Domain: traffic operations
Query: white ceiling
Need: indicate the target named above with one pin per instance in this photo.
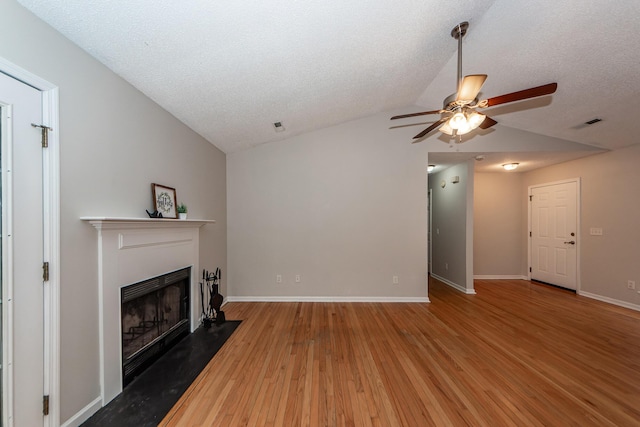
(229, 69)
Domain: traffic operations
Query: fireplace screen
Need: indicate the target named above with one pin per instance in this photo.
(155, 316)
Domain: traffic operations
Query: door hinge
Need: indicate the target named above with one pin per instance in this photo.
(45, 405)
(530, 235)
(531, 197)
(45, 134)
(45, 271)
(529, 269)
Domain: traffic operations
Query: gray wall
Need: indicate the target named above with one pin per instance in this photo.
(610, 191)
(343, 207)
(452, 225)
(114, 143)
(610, 199)
(499, 233)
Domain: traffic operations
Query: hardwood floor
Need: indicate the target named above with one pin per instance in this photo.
(515, 354)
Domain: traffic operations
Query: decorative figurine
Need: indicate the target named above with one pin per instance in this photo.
(154, 214)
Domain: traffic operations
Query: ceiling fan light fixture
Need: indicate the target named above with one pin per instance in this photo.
(510, 166)
(446, 129)
(459, 115)
(458, 121)
(462, 122)
(475, 119)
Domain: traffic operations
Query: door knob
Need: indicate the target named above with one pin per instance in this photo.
(571, 242)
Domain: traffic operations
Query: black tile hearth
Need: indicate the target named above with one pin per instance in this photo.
(153, 393)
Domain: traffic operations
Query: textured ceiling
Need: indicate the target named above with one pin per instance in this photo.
(230, 69)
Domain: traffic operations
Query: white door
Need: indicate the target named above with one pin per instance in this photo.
(22, 254)
(554, 230)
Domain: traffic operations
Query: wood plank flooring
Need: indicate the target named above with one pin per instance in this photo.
(515, 354)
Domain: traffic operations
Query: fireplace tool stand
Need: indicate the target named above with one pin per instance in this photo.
(211, 298)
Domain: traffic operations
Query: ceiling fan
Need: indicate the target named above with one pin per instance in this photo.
(459, 112)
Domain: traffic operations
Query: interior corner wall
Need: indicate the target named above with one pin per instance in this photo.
(610, 189)
(499, 225)
(114, 142)
(342, 207)
(451, 213)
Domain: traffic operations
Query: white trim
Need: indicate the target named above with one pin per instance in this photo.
(500, 277)
(328, 299)
(84, 414)
(118, 223)
(7, 266)
(51, 163)
(613, 301)
(455, 286)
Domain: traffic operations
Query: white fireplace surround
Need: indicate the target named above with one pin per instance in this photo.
(131, 250)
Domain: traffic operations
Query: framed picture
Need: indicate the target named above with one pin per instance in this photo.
(164, 200)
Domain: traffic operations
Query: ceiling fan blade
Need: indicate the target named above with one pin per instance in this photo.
(470, 87)
(410, 124)
(404, 116)
(533, 92)
(487, 123)
(430, 128)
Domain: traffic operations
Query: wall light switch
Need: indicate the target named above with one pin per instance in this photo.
(594, 231)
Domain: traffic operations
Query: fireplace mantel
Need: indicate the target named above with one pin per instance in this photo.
(103, 222)
(131, 250)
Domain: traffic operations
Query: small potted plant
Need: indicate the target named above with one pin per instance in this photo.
(182, 211)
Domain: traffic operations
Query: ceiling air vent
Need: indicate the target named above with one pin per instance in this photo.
(587, 123)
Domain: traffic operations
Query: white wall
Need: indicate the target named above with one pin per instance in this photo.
(114, 143)
(343, 207)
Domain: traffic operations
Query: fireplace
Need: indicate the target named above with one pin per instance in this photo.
(154, 316)
(134, 250)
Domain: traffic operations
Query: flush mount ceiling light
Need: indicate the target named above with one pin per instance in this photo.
(510, 166)
(430, 168)
(459, 115)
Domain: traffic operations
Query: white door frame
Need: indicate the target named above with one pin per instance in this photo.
(578, 216)
(51, 238)
(429, 236)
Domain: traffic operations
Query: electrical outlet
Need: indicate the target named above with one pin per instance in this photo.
(278, 278)
(594, 231)
(631, 284)
(297, 278)
(446, 266)
(395, 280)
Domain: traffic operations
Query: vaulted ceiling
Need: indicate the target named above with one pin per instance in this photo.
(230, 69)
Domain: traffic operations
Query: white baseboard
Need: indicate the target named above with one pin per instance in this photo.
(454, 285)
(328, 299)
(84, 414)
(501, 277)
(613, 301)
